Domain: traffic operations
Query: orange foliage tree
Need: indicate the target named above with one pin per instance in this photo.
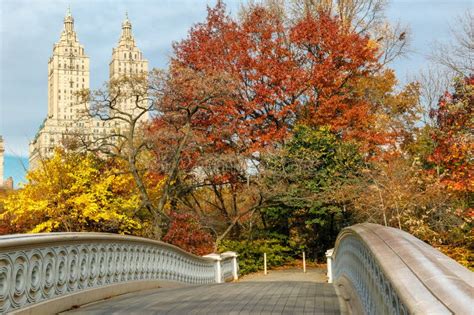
(281, 74)
(454, 141)
(236, 87)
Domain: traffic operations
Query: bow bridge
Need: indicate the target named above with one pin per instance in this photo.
(371, 270)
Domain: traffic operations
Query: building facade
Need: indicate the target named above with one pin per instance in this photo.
(127, 60)
(4, 183)
(68, 74)
(2, 161)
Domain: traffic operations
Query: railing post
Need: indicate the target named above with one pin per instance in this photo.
(265, 263)
(235, 266)
(304, 262)
(329, 263)
(218, 270)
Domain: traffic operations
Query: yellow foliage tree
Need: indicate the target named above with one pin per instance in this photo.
(76, 192)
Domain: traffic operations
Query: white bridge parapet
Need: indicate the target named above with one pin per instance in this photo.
(382, 270)
(37, 268)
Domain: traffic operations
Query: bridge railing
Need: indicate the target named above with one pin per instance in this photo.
(382, 270)
(39, 268)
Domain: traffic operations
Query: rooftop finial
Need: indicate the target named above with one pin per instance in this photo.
(68, 21)
(126, 24)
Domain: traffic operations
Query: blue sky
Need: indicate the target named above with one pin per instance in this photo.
(29, 28)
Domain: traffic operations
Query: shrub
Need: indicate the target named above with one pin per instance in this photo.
(251, 253)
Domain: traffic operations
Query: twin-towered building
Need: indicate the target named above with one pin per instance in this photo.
(68, 73)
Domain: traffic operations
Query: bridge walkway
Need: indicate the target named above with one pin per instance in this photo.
(279, 292)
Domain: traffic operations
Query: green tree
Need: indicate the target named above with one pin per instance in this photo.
(299, 178)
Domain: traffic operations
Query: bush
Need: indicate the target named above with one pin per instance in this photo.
(251, 253)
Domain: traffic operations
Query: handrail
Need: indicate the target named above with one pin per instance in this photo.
(383, 270)
(35, 268)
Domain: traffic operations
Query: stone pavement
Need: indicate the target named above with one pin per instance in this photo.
(280, 292)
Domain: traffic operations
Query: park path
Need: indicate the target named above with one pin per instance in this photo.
(280, 292)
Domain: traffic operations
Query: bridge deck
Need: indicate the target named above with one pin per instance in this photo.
(281, 292)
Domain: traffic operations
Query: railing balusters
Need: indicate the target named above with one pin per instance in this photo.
(381, 266)
(37, 268)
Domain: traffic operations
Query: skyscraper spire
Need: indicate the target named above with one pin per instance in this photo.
(69, 21)
(126, 28)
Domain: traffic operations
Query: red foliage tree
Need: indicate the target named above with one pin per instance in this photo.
(236, 87)
(186, 232)
(454, 150)
(281, 74)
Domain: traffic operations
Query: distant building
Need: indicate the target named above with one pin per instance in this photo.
(5, 184)
(2, 161)
(8, 183)
(68, 73)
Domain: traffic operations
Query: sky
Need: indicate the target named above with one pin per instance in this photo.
(29, 28)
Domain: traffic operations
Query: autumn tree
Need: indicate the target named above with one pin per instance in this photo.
(361, 15)
(401, 194)
(75, 192)
(364, 17)
(302, 72)
(193, 165)
(433, 82)
(456, 55)
(186, 100)
(237, 87)
(186, 232)
(123, 107)
(454, 140)
(395, 111)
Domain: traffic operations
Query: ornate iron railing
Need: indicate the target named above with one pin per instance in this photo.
(40, 267)
(382, 270)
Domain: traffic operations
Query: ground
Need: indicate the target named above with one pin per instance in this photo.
(287, 291)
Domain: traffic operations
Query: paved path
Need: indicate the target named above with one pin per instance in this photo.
(280, 292)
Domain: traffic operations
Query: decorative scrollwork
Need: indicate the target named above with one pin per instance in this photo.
(389, 271)
(355, 262)
(49, 270)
